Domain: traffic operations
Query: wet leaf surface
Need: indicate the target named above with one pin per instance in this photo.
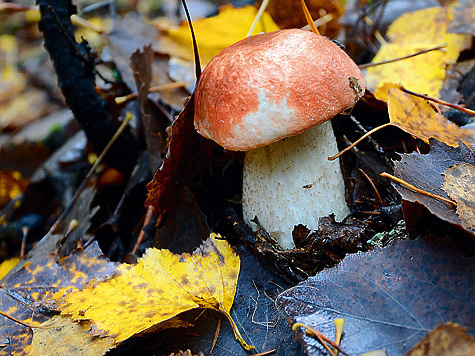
(390, 298)
(425, 171)
(26, 294)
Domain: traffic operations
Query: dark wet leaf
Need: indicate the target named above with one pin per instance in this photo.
(425, 171)
(390, 298)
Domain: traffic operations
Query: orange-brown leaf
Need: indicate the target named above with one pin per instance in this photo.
(418, 118)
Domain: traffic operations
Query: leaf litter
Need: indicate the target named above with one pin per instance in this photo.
(388, 297)
(179, 173)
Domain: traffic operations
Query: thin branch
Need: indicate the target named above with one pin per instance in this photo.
(441, 102)
(363, 66)
(420, 191)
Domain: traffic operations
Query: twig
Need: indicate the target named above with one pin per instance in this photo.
(420, 191)
(83, 185)
(363, 66)
(441, 102)
(262, 8)
(308, 17)
(154, 89)
(148, 218)
(216, 334)
(358, 141)
(372, 185)
(320, 337)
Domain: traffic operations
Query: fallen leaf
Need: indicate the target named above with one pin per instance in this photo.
(26, 294)
(7, 265)
(445, 340)
(410, 33)
(418, 118)
(464, 18)
(425, 171)
(161, 286)
(390, 298)
(213, 34)
(61, 336)
(12, 183)
(459, 184)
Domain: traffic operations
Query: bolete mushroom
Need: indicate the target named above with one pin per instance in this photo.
(273, 95)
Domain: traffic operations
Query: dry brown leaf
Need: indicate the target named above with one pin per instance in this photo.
(459, 184)
(418, 118)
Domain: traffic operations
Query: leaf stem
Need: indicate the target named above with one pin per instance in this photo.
(237, 334)
(22, 322)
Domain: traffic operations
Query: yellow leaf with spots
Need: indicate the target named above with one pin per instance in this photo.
(160, 286)
(419, 118)
(410, 33)
(7, 265)
(213, 34)
(26, 294)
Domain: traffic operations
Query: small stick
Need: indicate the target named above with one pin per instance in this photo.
(320, 337)
(420, 191)
(168, 86)
(24, 230)
(216, 334)
(358, 141)
(22, 322)
(83, 185)
(265, 353)
(261, 10)
(148, 218)
(372, 185)
(308, 17)
(363, 66)
(441, 102)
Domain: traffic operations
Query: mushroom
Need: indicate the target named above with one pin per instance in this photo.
(272, 95)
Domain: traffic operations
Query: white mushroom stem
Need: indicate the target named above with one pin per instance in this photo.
(292, 182)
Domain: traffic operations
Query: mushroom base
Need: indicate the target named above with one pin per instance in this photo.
(292, 182)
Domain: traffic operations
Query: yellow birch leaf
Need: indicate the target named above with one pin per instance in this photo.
(418, 118)
(160, 286)
(61, 336)
(7, 265)
(410, 33)
(213, 34)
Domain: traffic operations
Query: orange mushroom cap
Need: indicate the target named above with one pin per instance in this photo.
(274, 85)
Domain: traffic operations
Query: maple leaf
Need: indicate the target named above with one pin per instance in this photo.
(424, 73)
(160, 286)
